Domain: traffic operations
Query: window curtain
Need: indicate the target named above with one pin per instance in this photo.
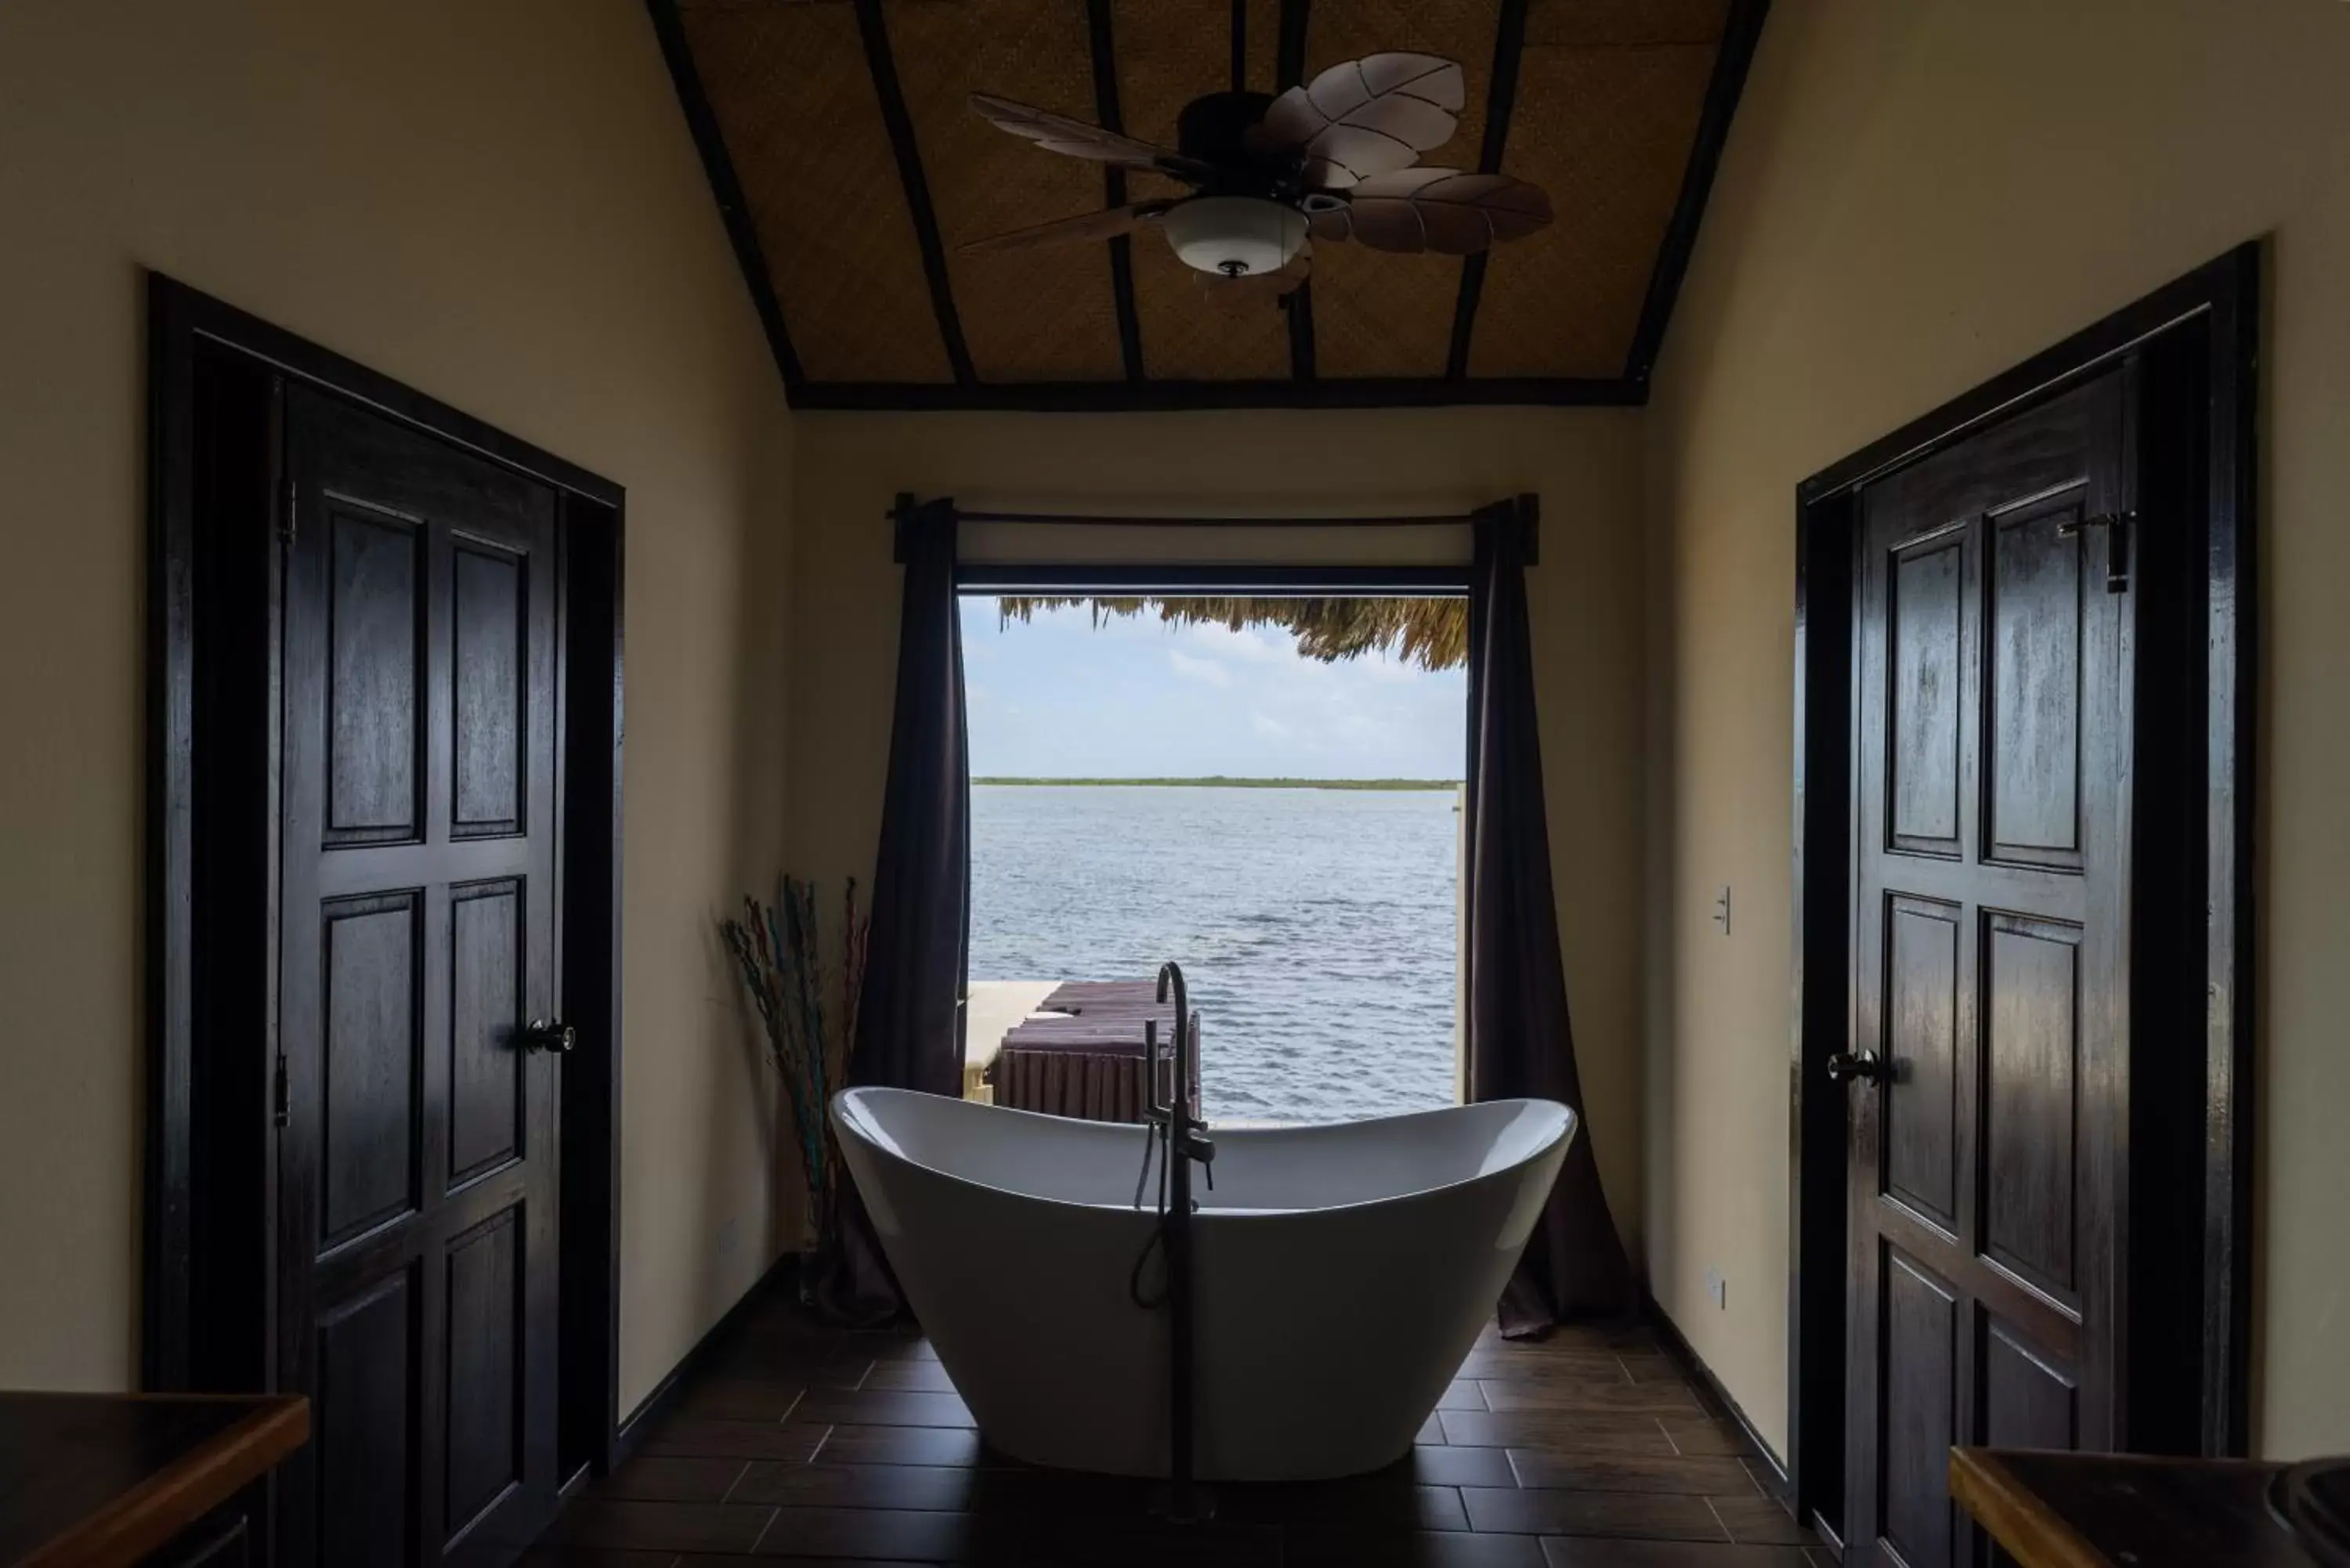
(910, 1013)
(1519, 1043)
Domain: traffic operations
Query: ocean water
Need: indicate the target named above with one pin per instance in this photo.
(1316, 928)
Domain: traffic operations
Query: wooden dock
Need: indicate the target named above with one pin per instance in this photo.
(1082, 1053)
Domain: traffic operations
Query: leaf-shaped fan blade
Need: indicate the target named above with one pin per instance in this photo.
(1059, 133)
(1241, 295)
(1366, 117)
(1442, 210)
(1105, 225)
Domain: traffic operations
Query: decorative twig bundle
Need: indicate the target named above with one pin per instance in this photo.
(779, 949)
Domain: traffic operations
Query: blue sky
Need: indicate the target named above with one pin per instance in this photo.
(1058, 697)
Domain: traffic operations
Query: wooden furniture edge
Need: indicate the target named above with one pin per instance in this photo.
(144, 1519)
(2015, 1515)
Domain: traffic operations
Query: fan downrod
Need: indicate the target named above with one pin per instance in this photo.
(1214, 128)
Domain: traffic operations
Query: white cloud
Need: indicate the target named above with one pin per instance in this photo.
(1265, 724)
(1206, 670)
(1249, 645)
(1388, 671)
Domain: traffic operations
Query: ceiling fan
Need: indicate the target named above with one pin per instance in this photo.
(1336, 158)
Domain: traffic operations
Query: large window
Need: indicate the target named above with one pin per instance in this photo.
(1163, 783)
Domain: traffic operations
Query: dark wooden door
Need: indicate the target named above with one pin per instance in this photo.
(1991, 956)
(417, 1172)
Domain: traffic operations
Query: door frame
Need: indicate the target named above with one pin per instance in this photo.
(216, 384)
(2197, 340)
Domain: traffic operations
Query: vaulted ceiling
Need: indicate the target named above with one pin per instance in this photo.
(843, 154)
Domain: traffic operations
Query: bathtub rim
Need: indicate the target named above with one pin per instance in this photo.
(844, 1123)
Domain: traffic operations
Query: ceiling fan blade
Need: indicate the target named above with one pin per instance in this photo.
(1059, 133)
(1241, 295)
(1331, 222)
(1105, 225)
(1366, 117)
(1442, 210)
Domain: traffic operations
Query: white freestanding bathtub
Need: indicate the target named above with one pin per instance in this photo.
(1342, 1272)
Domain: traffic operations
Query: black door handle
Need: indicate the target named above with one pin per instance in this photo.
(1846, 1066)
(549, 1034)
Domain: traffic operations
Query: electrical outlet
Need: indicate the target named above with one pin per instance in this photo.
(1719, 1289)
(730, 1237)
(1722, 909)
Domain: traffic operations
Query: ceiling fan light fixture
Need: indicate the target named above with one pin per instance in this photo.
(1235, 236)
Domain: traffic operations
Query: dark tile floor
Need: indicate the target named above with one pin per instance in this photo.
(1588, 1450)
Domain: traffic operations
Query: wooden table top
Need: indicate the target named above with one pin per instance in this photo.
(88, 1480)
(2124, 1510)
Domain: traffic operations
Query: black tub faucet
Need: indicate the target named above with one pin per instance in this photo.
(1179, 1129)
(1183, 1127)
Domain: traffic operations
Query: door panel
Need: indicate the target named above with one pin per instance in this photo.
(1926, 626)
(417, 1155)
(1989, 965)
(376, 677)
(2034, 583)
(371, 978)
(364, 1447)
(2028, 1402)
(489, 615)
(1921, 986)
(488, 959)
(1922, 1319)
(486, 1327)
(2030, 1109)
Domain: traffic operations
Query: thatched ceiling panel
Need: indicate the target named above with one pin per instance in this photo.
(1610, 144)
(789, 86)
(1382, 315)
(1032, 314)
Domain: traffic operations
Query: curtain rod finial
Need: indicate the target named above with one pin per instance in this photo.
(906, 510)
(1521, 513)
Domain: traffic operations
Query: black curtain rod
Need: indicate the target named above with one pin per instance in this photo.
(1432, 519)
(1527, 508)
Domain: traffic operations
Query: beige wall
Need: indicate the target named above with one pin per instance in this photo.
(1584, 596)
(1915, 196)
(497, 205)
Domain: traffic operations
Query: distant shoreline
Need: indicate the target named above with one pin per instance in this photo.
(1220, 781)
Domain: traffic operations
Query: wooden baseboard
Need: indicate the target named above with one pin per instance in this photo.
(1830, 1536)
(1677, 1345)
(783, 1274)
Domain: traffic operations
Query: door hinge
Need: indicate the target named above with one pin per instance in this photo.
(280, 1100)
(2116, 525)
(285, 524)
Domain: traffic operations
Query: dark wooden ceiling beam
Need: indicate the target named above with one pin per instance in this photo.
(1299, 303)
(1501, 97)
(1739, 37)
(1120, 397)
(875, 30)
(1288, 70)
(726, 188)
(1104, 42)
(1289, 50)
